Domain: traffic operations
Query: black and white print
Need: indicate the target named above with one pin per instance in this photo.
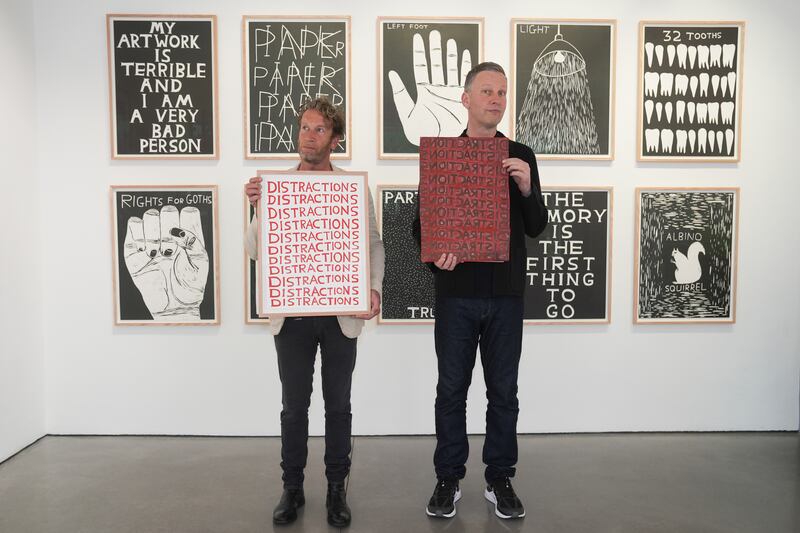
(423, 64)
(408, 291)
(687, 255)
(288, 61)
(568, 269)
(690, 91)
(564, 87)
(251, 277)
(165, 260)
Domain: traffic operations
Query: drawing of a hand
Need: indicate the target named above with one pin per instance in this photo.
(168, 262)
(438, 111)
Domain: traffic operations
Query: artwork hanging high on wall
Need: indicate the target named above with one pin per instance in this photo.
(251, 277)
(690, 91)
(162, 74)
(686, 255)
(166, 265)
(568, 270)
(313, 244)
(422, 64)
(562, 97)
(408, 292)
(287, 61)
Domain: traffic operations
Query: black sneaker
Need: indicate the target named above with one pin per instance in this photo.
(502, 495)
(443, 502)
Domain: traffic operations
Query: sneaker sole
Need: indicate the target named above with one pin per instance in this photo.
(448, 515)
(489, 495)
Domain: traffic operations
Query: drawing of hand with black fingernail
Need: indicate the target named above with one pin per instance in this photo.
(167, 260)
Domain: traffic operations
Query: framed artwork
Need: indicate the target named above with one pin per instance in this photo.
(408, 291)
(313, 244)
(422, 64)
(690, 91)
(251, 277)
(286, 61)
(166, 264)
(568, 270)
(162, 72)
(562, 95)
(686, 255)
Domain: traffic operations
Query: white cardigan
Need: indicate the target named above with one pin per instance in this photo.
(350, 325)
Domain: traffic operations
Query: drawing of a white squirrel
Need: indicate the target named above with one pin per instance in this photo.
(688, 266)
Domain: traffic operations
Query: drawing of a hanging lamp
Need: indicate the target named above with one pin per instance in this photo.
(557, 116)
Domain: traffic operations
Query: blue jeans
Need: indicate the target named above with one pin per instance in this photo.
(297, 345)
(463, 325)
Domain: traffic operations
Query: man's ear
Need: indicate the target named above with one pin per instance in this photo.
(335, 142)
(465, 99)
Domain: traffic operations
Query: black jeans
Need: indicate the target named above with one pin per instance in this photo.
(462, 325)
(297, 349)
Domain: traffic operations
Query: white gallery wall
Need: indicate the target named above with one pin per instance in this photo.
(103, 379)
(21, 326)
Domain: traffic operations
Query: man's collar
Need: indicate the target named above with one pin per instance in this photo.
(497, 134)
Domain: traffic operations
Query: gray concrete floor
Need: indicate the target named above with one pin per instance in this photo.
(569, 483)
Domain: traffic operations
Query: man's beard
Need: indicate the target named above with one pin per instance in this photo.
(312, 157)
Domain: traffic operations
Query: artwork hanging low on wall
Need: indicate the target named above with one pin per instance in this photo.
(408, 291)
(686, 255)
(162, 72)
(690, 91)
(568, 267)
(251, 276)
(562, 90)
(422, 64)
(166, 264)
(286, 61)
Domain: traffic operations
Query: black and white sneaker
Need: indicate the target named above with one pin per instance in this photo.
(502, 495)
(443, 502)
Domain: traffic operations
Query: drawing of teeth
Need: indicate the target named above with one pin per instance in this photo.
(710, 141)
(693, 85)
(659, 107)
(714, 84)
(692, 139)
(691, 108)
(720, 136)
(668, 111)
(692, 56)
(704, 84)
(731, 82)
(723, 85)
(648, 48)
(702, 56)
(680, 109)
(701, 140)
(651, 139)
(713, 112)
(681, 84)
(666, 140)
(716, 55)
(727, 112)
(666, 83)
(648, 109)
(670, 54)
(681, 136)
(651, 83)
(702, 113)
(729, 140)
(660, 54)
(682, 56)
(728, 51)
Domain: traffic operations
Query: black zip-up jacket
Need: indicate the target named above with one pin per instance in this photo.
(528, 217)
